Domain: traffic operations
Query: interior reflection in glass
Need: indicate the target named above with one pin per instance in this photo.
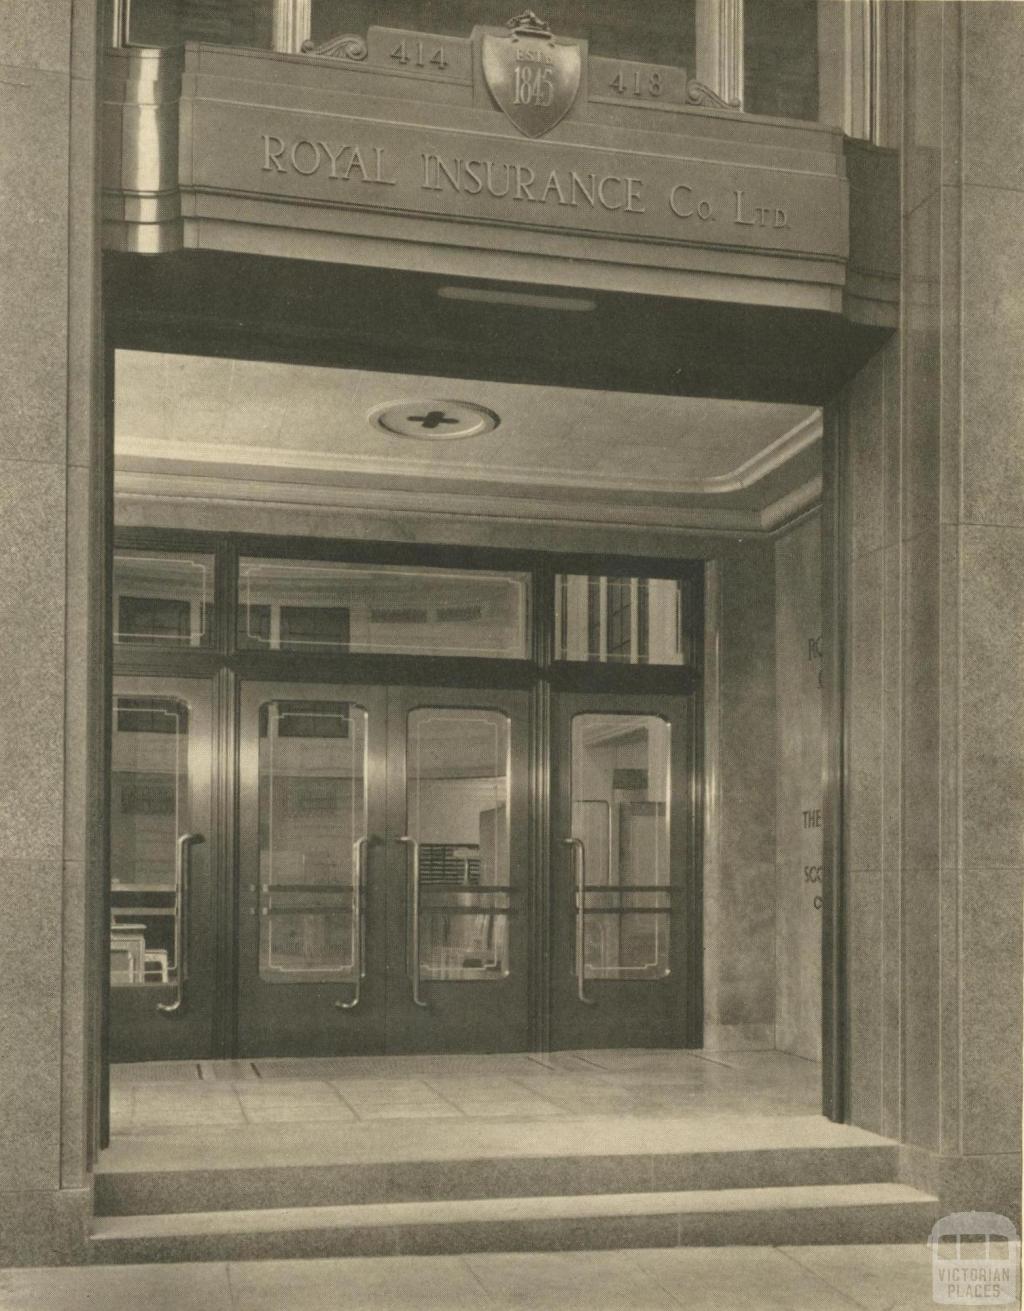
(620, 812)
(148, 811)
(309, 605)
(162, 599)
(458, 812)
(312, 772)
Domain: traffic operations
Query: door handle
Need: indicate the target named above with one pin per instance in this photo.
(182, 898)
(358, 934)
(579, 862)
(413, 920)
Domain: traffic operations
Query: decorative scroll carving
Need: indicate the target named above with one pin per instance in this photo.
(347, 46)
(699, 94)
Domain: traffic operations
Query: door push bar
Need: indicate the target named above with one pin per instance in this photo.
(182, 897)
(413, 921)
(579, 861)
(358, 934)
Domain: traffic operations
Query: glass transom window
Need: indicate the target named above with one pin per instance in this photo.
(606, 619)
(162, 599)
(303, 605)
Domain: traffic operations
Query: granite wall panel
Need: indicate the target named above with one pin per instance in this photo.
(32, 548)
(48, 523)
(30, 1023)
(991, 1003)
(991, 758)
(993, 362)
(993, 96)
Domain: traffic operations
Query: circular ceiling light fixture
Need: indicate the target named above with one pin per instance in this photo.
(433, 421)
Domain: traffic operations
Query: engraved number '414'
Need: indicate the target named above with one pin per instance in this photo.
(534, 86)
(412, 52)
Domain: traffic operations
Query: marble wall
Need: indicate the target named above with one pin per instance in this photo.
(739, 867)
(798, 821)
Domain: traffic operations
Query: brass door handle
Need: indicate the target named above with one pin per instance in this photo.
(579, 862)
(182, 897)
(413, 921)
(358, 934)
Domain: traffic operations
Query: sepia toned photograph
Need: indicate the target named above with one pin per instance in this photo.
(512, 700)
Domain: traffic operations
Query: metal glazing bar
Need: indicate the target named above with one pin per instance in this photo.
(491, 912)
(579, 860)
(413, 920)
(338, 889)
(182, 879)
(358, 937)
(624, 889)
(626, 910)
(489, 890)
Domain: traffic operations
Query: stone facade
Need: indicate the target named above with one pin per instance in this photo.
(931, 498)
(932, 474)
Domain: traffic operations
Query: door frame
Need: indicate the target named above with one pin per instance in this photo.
(540, 674)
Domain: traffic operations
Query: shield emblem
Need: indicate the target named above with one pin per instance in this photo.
(533, 77)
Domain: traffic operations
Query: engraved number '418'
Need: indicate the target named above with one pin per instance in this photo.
(534, 86)
(647, 85)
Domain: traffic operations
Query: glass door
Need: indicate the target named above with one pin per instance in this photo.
(383, 855)
(623, 915)
(162, 892)
(458, 855)
(312, 905)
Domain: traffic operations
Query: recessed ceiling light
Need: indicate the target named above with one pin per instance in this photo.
(528, 300)
(432, 420)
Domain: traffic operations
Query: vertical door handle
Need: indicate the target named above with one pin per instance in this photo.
(579, 861)
(413, 920)
(358, 935)
(182, 897)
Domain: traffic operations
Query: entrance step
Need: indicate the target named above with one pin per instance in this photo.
(394, 1162)
(801, 1215)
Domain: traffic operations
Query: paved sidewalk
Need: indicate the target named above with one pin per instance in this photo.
(884, 1278)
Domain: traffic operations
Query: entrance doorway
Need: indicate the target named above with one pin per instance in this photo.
(383, 860)
(307, 864)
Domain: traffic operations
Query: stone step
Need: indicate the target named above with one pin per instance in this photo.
(151, 1193)
(845, 1213)
(378, 1164)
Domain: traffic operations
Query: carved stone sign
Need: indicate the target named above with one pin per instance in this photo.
(531, 76)
(406, 168)
(515, 140)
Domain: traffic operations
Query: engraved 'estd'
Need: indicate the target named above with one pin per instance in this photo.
(532, 76)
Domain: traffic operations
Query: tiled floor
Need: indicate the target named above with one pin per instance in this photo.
(880, 1278)
(166, 1099)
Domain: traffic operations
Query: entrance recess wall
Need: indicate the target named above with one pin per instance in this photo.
(799, 865)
